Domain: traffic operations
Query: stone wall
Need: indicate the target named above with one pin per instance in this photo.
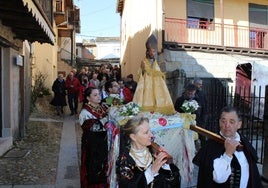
(213, 65)
(181, 66)
(7, 33)
(175, 81)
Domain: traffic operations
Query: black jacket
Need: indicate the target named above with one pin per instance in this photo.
(212, 150)
(59, 93)
(131, 176)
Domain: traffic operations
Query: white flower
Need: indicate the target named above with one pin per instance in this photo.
(189, 106)
(117, 96)
(129, 109)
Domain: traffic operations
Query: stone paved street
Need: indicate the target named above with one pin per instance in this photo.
(34, 159)
(47, 157)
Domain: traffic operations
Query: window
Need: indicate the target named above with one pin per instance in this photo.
(258, 15)
(200, 23)
(192, 22)
(200, 14)
(257, 38)
(258, 21)
(59, 6)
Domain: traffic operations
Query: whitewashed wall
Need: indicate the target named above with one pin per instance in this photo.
(217, 65)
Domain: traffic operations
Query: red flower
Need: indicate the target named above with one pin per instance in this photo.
(162, 121)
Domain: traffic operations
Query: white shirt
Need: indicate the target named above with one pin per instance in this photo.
(84, 115)
(149, 174)
(222, 167)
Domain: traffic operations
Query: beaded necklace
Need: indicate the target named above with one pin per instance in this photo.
(142, 157)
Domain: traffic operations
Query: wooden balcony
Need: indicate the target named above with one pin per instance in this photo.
(214, 37)
(67, 21)
(28, 20)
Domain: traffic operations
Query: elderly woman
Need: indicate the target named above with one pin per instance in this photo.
(59, 90)
(137, 166)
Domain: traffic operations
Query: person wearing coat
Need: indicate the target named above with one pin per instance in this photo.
(224, 165)
(73, 88)
(59, 100)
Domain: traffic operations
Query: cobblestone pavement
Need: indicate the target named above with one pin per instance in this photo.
(34, 159)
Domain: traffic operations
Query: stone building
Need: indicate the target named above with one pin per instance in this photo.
(36, 36)
(22, 23)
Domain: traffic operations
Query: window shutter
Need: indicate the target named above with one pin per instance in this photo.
(258, 15)
(200, 8)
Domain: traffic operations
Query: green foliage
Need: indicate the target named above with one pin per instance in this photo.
(39, 88)
(46, 92)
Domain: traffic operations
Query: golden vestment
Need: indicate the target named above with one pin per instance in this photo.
(152, 93)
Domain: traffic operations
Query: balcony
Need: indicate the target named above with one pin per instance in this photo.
(67, 21)
(59, 14)
(28, 19)
(209, 36)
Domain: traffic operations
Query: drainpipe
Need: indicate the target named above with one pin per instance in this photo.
(72, 45)
(222, 23)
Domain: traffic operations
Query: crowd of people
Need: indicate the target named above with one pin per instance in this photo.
(106, 78)
(138, 165)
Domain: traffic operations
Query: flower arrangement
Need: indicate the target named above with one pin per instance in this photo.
(129, 109)
(189, 106)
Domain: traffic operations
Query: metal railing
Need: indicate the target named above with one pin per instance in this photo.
(251, 108)
(250, 101)
(217, 34)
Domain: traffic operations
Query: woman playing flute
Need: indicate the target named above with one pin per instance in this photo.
(137, 166)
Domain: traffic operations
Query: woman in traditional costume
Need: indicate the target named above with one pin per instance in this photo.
(94, 151)
(137, 165)
(152, 93)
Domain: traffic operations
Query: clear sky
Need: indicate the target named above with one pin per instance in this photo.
(98, 18)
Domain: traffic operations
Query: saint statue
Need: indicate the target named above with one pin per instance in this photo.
(152, 93)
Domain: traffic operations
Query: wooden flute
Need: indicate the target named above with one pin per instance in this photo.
(156, 149)
(212, 135)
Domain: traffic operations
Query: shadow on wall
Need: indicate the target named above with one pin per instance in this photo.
(135, 51)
